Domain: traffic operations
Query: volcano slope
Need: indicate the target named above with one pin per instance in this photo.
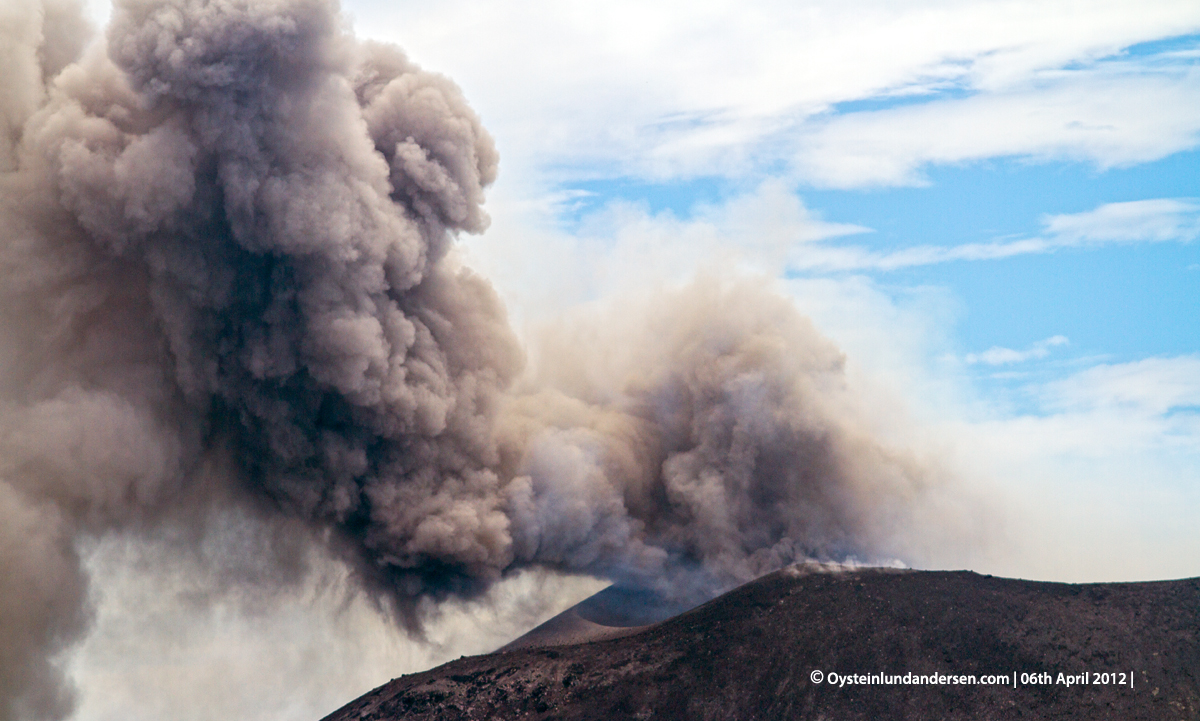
(753, 653)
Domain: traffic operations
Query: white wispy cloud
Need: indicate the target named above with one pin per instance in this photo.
(1150, 387)
(1157, 220)
(1103, 116)
(997, 355)
(1140, 221)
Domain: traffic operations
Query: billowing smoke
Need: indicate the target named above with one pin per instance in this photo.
(227, 277)
(709, 442)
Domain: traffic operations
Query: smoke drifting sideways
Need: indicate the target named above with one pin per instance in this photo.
(227, 278)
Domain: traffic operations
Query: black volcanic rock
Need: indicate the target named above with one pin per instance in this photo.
(751, 653)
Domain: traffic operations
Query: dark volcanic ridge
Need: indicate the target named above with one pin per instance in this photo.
(752, 654)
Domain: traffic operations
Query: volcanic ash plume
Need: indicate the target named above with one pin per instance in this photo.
(226, 245)
(710, 443)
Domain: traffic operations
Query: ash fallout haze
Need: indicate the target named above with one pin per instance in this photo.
(286, 412)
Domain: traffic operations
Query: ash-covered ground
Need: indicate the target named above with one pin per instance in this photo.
(753, 653)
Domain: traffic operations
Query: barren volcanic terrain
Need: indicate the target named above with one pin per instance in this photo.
(753, 653)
